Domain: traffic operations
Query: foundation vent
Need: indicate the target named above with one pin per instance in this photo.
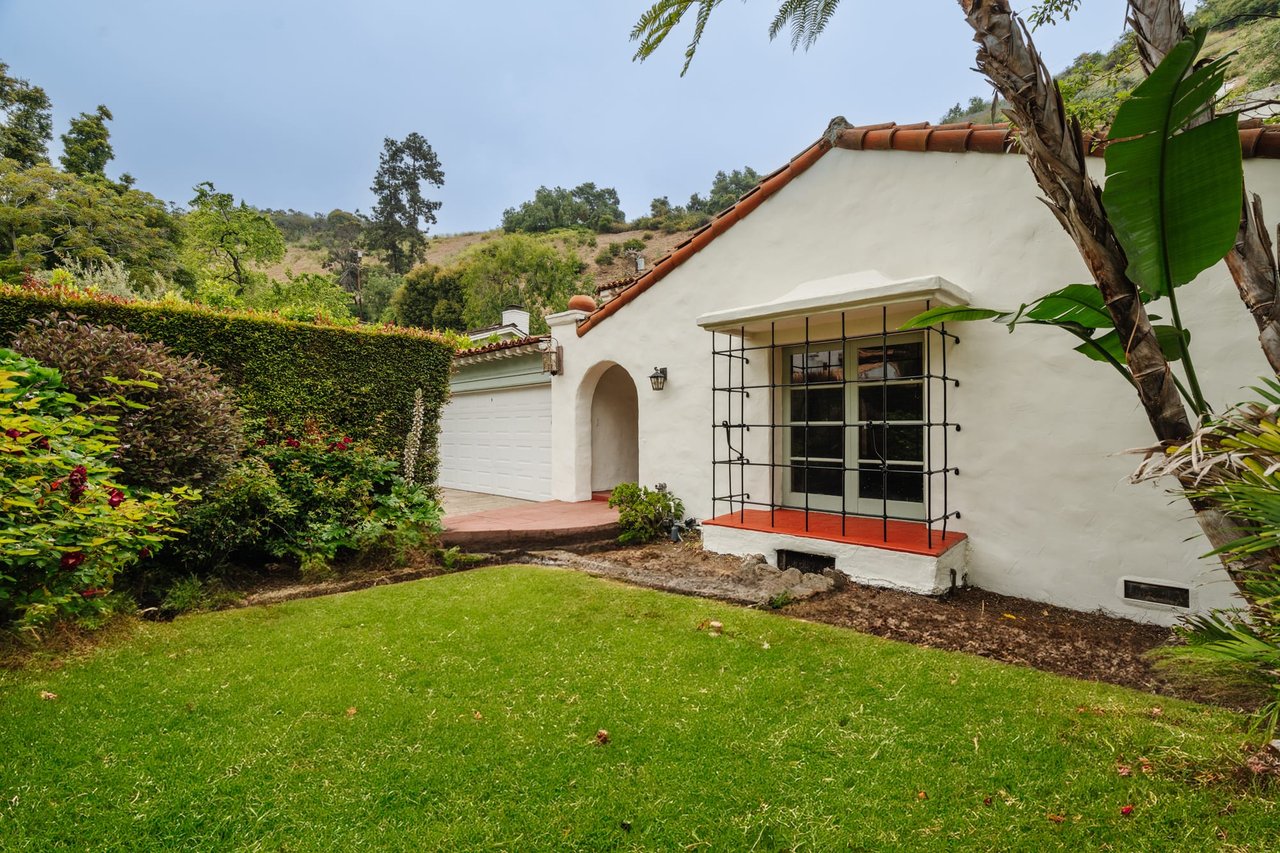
(1157, 593)
(814, 564)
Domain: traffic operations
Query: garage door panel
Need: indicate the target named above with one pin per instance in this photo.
(498, 442)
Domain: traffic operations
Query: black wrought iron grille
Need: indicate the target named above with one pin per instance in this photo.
(814, 443)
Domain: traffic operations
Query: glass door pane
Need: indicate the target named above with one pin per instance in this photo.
(891, 434)
(814, 442)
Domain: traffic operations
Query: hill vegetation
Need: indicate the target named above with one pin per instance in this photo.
(1096, 83)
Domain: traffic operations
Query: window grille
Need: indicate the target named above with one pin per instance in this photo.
(847, 384)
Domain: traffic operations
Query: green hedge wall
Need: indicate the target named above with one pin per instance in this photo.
(359, 381)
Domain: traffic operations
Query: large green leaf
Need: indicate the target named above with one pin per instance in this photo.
(1173, 193)
(1111, 343)
(1080, 304)
(950, 314)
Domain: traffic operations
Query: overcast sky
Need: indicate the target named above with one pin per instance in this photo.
(286, 102)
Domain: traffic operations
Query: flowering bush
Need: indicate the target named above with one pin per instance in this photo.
(344, 496)
(178, 425)
(67, 524)
(307, 497)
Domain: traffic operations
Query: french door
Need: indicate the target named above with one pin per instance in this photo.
(853, 426)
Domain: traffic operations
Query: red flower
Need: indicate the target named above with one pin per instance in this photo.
(70, 561)
(92, 592)
(116, 497)
(79, 476)
(262, 442)
(55, 485)
(145, 553)
(42, 443)
(1126, 810)
(13, 433)
(292, 442)
(76, 493)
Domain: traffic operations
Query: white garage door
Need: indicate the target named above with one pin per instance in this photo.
(498, 442)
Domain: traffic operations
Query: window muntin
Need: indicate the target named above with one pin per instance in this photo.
(872, 462)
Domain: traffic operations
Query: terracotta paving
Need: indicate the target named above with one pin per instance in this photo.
(908, 536)
(543, 523)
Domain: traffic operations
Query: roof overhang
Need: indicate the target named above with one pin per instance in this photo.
(502, 349)
(851, 294)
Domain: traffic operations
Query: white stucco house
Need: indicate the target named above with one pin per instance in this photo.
(795, 421)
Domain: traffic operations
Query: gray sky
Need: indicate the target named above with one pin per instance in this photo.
(285, 102)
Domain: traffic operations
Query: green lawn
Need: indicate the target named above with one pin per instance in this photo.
(477, 697)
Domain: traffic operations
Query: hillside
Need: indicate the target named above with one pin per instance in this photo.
(447, 249)
(1095, 82)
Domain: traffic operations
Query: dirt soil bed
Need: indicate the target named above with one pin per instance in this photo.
(1090, 646)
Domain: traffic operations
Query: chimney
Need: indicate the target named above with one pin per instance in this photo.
(515, 315)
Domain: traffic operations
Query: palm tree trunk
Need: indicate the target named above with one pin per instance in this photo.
(1055, 151)
(1158, 26)
(1056, 154)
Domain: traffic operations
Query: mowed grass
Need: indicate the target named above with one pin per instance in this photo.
(477, 698)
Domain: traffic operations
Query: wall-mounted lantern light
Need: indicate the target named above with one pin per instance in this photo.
(658, 379)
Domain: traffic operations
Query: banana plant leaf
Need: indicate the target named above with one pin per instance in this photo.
(1173, 191)
(1110, 342)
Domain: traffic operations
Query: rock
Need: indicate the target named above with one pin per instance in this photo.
(715, 629)
(839, 578)
(791, 577)
(816, 583)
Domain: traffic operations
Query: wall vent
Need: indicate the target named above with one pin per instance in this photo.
(814, 564)
(1157, 593)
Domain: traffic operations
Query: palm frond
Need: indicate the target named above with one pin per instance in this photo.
(806, 20)
(657, 22)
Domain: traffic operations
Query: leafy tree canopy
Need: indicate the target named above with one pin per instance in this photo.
(225, 240)
(430, 298)
(49, 218)
(86, 146)
(518, 269)
(584, 206)
(26, 121)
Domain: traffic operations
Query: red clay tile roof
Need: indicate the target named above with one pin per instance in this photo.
(497, 346)
(1256, 140)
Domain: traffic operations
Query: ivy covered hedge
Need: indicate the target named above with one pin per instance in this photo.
(359, 381)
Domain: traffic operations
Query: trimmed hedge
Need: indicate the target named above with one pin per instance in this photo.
(358, 381)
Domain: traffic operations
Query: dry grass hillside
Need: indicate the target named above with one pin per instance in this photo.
(444, 250)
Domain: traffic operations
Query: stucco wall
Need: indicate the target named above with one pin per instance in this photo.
(1043, 486)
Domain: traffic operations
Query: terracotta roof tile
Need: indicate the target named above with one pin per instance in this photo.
(1256, 140)
(497, 346)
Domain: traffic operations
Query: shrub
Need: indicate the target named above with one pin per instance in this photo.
(644, 514)
(179, 425)
(635, 244)
(357, 381)
(67, 524)
(343, 496)
(236, 518)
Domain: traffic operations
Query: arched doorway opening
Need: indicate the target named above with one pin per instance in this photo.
(615, 430)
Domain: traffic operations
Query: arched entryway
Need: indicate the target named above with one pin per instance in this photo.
(615, 431)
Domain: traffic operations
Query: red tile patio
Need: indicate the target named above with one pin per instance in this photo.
(908, 536)
(543, 524)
